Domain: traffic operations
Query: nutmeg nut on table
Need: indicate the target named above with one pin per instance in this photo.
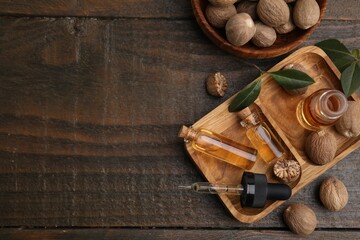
(333, 194)
(300, 219)
(216, 84)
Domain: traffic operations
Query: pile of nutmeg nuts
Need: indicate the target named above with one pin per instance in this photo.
(261, 20)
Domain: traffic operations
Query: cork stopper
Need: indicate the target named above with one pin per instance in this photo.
(187, 133)
(243, 114)
(183, 132)
(247, 116)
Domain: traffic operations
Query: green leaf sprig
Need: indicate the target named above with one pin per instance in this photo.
(347, 62)
(292, 79)
(289, 79)
(245, 97)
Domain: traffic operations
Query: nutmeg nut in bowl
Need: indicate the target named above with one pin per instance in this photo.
(283, 43)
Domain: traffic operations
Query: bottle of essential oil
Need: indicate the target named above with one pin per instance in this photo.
(322, 108)
(260, 136)
(219, 147)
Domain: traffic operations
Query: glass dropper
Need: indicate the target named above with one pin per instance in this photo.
(206, 187)
(254, 190)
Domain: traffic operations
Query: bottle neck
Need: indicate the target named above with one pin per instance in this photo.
(250, 121)
(190, 135)
(331, 104)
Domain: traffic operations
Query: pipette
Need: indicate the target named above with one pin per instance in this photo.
(254, 190)
(206, 187)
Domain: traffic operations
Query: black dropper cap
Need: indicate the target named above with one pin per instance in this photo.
(257, 190)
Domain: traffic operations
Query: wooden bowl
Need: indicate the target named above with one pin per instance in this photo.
(283, 44)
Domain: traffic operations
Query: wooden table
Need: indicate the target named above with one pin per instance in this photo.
(92, 96)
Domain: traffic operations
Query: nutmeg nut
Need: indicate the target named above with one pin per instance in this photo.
(240, 29)
(288, 26)
(218, 16)
(289, 1)
(300, 219)
(248, 7)
(273, 12)
(321, 147)
(222, 3)
(333, 194)
(306, 13)
(298, 91)
(216, 84)
(287, 170)
(349, 124)
(265, 36)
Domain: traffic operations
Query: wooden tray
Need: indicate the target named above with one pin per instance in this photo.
(278, 110)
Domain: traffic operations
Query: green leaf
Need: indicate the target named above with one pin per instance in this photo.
(338, 53)
(292, 79)
(350, 79)
(356, 53)
(245, 97)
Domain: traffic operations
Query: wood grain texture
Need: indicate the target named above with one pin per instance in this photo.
(94, 8)
(89, 115)
(336, 9)
(146, 234)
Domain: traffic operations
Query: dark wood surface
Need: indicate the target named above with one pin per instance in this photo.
(165, 234)
(89, 115)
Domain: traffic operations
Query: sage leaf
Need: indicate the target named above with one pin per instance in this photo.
(245, 97)
(337, 52)
(292, 79)
(350, 79)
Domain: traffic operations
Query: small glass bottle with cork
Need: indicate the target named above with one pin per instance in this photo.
(260, 136)
(219, 147)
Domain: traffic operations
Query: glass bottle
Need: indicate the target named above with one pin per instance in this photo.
(260, 136)
(219, 147)
(322, 108)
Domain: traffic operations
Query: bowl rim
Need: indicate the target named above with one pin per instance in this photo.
(245, 52)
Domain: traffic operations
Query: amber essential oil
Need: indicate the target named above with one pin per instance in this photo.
(322, 108)
(261, 137)
(267, 148)
(220, 147)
